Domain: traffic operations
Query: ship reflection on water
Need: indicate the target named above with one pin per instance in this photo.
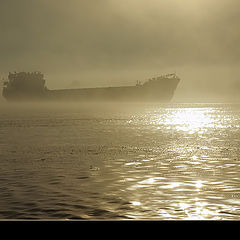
(153, 161)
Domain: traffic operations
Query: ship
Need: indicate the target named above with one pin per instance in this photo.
(31, 86)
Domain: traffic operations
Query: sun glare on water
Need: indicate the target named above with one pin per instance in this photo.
(191, 120)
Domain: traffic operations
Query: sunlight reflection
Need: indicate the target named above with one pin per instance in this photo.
(194, 158)
(191, 120)
(197, 211)
(171, 185)
(135, 203)
(201, 211)
(199, 184)
(184, 206)
(146, 183)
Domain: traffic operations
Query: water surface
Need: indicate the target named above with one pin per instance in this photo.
(120, 161)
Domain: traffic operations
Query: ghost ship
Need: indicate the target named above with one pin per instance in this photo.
(30, 86)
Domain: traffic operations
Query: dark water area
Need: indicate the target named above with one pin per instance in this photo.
(120, 161)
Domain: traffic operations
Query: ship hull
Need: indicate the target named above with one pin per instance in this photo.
(154, 91)
(162, 92)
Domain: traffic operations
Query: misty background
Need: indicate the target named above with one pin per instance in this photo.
(86, 43)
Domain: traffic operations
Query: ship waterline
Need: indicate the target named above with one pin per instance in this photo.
(31, 86)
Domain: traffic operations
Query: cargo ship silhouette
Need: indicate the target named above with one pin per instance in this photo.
(30, 86)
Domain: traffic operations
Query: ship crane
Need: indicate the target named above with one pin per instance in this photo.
(138, 83)
(3, 82)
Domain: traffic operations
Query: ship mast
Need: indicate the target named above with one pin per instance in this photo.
(3, 82)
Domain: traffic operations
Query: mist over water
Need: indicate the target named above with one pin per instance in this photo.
(119, 161)
(122, 160)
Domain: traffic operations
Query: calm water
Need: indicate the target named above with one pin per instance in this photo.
(130, 161)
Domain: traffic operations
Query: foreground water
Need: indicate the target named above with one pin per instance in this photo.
(120, 161)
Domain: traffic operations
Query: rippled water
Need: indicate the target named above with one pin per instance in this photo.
(131, 161)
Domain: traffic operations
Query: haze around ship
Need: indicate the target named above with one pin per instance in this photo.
(113, 43)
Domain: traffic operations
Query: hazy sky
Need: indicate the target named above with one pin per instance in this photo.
(112, 42)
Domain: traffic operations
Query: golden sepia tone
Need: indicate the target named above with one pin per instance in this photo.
(119, 110)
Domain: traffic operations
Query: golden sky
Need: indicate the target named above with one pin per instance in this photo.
(119, 42)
